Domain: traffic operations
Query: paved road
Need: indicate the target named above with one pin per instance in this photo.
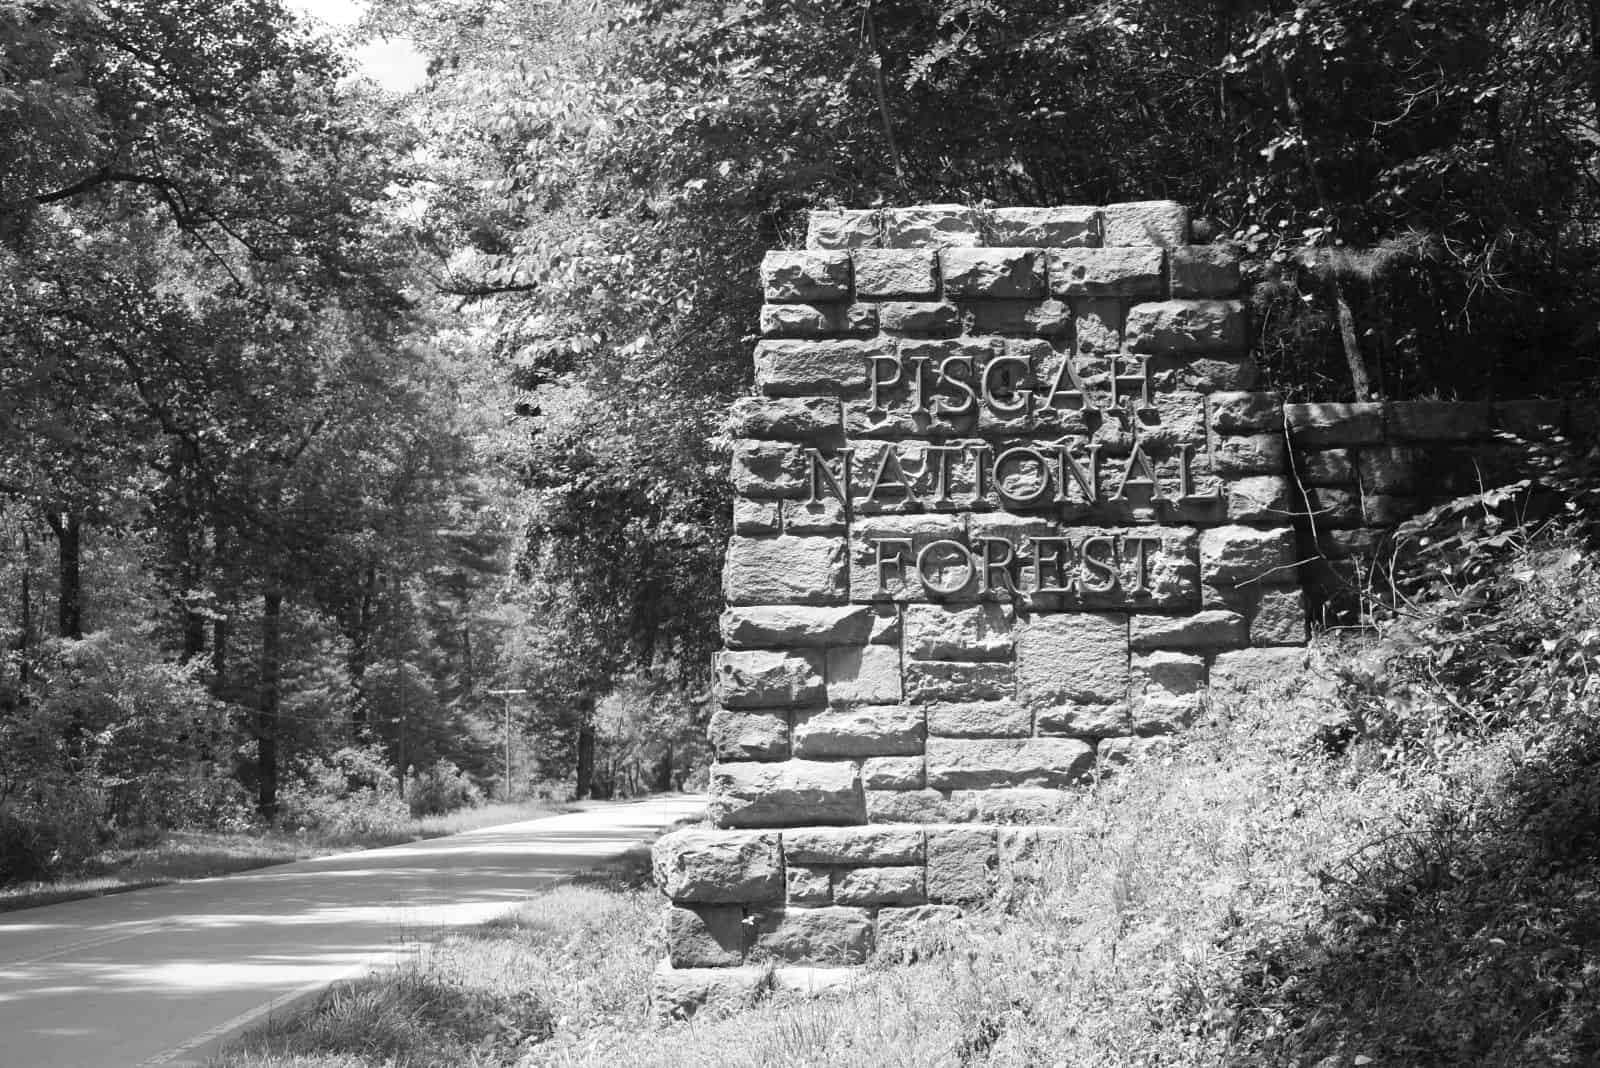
(162, 976)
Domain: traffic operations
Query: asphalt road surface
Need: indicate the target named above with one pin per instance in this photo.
(163, 976)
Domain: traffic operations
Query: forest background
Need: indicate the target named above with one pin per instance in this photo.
(328, 411)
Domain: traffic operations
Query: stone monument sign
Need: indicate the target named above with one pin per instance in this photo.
(1007, 502)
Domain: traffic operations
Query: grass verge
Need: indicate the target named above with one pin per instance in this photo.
(178, 855)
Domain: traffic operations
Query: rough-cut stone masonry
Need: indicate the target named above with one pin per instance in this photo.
(1006, 502)
(1364, 468)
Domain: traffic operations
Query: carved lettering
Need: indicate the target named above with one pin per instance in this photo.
(820, 476)
(945, 545)
(1099, 572)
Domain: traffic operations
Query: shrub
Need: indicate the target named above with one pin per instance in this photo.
(440, 789)
(351, 794)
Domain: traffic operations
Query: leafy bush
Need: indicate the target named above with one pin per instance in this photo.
(351, 794)
(55, 831)
(440, 789)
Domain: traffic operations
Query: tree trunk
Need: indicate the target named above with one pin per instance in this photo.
(1594, 54)
(267, 710)
(68, 529)
(25, 618)
(663, 781)
(585, 756)
(1352, 345)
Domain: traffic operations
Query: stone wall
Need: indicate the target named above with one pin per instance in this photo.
(1361, 469)
(1007, 503)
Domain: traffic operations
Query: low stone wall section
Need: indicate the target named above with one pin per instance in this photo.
(1362, 469)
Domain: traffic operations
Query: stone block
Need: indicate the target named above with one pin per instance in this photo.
(1429, 421)
(1234, 456)
(1248, 668)
(828, 229)
(756, 517)
(1233, 555)
(1329, 508)
(1189, 327)
(1163, 223)
(893, 773)
(682, 993)
(824, 516)
(1167, 690)
(1325, 467)
(818, 320)
(808, 886)
(812, 981)
(1345, 544)
(1246, 412)
(704, 936)
(765, 678)
(718, 867)
(1106, 272)
(1530, 420)
(886, 628)
(1177, 418)
(784, 570)
(789, 625)
(909, 934)
(909, 806)
(961, 864)
(931, 681)
(1097, 327)
(1017, 804)
(1083, 720)
(874, 846)
(925, 318)
(1078, 658)
(1279, 617)
(864, 673)
(795, 368)
(879, 886)
(1329, 425)
(811, 420)
(889, 573)
(1063, 227)
(830, 935)
(980, 719)
(805, 277)
(965, 632)
(896, 274)
(1211, 629)
(739, 735)
(991, 273)
(1259, 499)
(768, 470)
(1018, 318)
(786, 794)
(1394, 470)
(1203, 374)
(980, 763)
(1120, 752)
(858, 730)
(1205, 271)
(1387, 510)
(932, 226)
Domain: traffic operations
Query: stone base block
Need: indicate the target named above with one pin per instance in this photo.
(680, 993)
